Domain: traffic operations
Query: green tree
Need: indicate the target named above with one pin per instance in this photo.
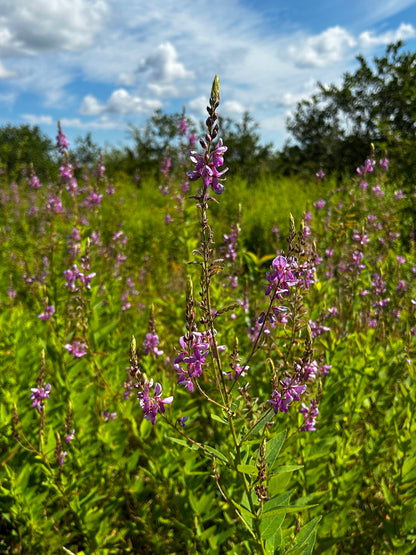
(21, 145)
(151, 143)
(246, 155)
(375, 104)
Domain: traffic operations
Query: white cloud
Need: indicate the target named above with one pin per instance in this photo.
(375, 11)
(119, 102)
(103, 122)
(233, 108)
(162, 90)
(90, 106)
(321, 50)
(32, 27)
(38, 119)
(138, 55)
(198, 105)
(163, 65)
(290, 99)
(126, 79)
(369, 38)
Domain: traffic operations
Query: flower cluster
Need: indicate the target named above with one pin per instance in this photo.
(74, 275)
(368, 166)
(288, 392)
(230, 243)
(39, 394)
(195, 348)
(47, 313)
(61, 141)
(150, 345)
(309, 414)
(78, 349)
(152, 405)
(206, 166)
(281, 277)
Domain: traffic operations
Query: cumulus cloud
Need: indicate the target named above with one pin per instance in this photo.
(323, 49)
(38, 119)
(163, 66)
(198, 105)
(120, 102)
(45, 25)
(103, 122)
(233, 108)
(290, 99)
(369, 38)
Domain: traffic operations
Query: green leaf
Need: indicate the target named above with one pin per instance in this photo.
(270, 525)
(305, 540)
(216, 453)
(257, 428)
(218, 418)
(273, 447)
(250, 469)
(183, 442)
(245, 515)
(287, 468)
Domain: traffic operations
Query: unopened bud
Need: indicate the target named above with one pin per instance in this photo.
(215, 91)
(133, 346)
(292, 226)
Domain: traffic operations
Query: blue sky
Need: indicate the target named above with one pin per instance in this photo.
(98, 65)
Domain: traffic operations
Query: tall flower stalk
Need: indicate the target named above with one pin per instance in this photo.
(199, 361)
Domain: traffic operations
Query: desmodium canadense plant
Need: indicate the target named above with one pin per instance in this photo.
(260, 392)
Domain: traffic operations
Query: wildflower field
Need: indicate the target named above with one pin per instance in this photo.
(200, 364)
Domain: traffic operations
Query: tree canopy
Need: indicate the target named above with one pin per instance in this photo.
(375, 104)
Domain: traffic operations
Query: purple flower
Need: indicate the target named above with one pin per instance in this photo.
(150, 345)
(183, 126)
(54, 204)
(109, 415)
(100, 169)
(34, 182)
(193, 355)
(384, 163)
(69, 437)
(309, 414)
(11, 293)
(288, 392)
(168, 219)
(230, 243)
(281, 276)
(208, 171)
(72, 186)
(368, 167)
(77, 349)
(93, 199)
(152, 405)
(165, 166)
(320, 174)
(48, 313)
(38, 396)
(360, 238)
(65, 171)
(319, 204)
(73, 275)
(182, 421)
(192, 139)
(61, 141)
(61, 457)
(377, 191)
